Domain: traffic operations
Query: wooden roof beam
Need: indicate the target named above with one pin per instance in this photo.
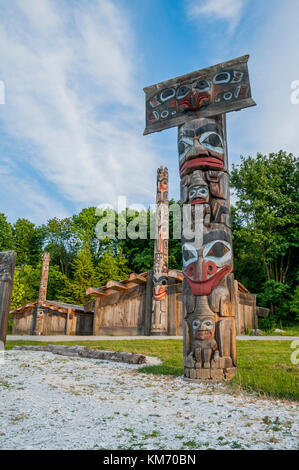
(174, 273)
(95, 292)
(135, 278)
(116, 286)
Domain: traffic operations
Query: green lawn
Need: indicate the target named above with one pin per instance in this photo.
(288, 331)
(263, 366)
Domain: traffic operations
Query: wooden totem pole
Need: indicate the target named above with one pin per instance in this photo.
(7, 267)
(42, 296)
(197, 103)
(160, 279)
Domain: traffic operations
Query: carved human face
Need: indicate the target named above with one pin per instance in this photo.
(203, 328)
(163, 184)
(204, 268)
(201, 145)
(193, 96)
(160, 287)
(198, 195)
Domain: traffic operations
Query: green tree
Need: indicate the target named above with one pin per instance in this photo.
(7, 241)
(267, 206)
(84, 226)
(84, 276)
(112, 267)
(29, 241)
(62, 243)
(18, 297)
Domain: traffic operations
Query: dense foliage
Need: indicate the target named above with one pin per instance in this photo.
(265, 237)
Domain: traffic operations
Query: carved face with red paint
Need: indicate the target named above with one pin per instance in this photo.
(198, 194)
(193, 96)
(201, 145)
(204, 268)
(203, 328)
(160, 287)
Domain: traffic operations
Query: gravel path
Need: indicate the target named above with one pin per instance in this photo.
(53, 402)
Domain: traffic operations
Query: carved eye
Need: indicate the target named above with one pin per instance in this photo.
(208, 324)
(202, 85)
(167, 94)
(203, 192)
(196, 324)
(192, 193)
(212, 141)
(222, 77)
(182, 147)
(218, 250)
(183, 91)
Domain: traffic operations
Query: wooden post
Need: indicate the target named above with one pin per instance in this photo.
(42, 297)
(160, 300)
(97, 316)
(208, 294)
(148, 303)
(7, 267)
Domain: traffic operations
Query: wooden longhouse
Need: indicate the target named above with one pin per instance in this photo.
(59, 319)
(123, 308)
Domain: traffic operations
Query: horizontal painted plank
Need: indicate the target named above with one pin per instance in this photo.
(215, 90)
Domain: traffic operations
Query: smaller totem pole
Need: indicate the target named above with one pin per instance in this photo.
(7, 267)
(160, 300)
(42, 297)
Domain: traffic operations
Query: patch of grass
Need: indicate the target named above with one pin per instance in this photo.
(150, 435)
(191, 444)
(263, 366)
(4, 384)
(288, 331)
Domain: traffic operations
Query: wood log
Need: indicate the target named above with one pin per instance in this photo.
(118, 286)
(7, 267)
(96, 292)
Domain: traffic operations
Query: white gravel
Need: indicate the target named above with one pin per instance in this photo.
(54, 402)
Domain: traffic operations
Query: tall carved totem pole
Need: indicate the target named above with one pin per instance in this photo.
(160, 300)
(42, 296)
(197, 104)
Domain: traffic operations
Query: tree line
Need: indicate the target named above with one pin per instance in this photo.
(265, 242)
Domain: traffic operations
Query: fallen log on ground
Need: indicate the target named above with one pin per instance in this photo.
(84, 351)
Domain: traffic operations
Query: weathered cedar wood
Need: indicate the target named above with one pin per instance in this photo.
(7, 266)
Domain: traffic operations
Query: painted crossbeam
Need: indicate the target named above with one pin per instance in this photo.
(215, 90)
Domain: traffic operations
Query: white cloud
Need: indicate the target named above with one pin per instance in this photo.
(273, 124)
(228, 10)
(73, 98)
(25, 197)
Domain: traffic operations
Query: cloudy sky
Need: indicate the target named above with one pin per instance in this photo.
(74, 71)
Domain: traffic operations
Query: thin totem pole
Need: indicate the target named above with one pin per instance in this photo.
(160, 299)
(42, 296)
(197, 103)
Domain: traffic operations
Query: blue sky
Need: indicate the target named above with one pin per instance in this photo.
(74, 71)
